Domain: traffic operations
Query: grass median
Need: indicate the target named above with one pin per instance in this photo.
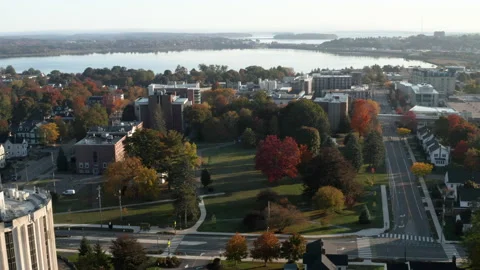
(232, 170)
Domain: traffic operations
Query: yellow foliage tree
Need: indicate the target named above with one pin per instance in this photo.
(403, 131)
(421, 169)
(120, 175)
(49, 133)
(146, 183)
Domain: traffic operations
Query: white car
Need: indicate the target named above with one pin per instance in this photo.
(69, 192)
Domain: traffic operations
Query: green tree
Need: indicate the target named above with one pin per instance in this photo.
(102, 260)
(266, 247)
(158, 121)
(365, 217)
(441, 127)
(300, 113)
(294, 248)
(310, 137)
(186, 203)
(471, 241)
(205, 178)
(273, 128)
(249, 138)
(85, 247)
(329, 199)
(236, 248)
(62, 162)
(127, 253)
(374, 149)
(353, 152)
(10, 70)
(345, 125)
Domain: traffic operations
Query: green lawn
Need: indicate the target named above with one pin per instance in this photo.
(365, 267)
(253, 265)
(156, 215)
(232, 170)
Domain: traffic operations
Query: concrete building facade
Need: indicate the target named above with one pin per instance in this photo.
(302, 84)
(336, 107)
(419, 94)
(27, 236)
(329, 82)
(190, 91)
(442, 80)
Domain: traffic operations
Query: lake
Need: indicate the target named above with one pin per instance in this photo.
(301, 61)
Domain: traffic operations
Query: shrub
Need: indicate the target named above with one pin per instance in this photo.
(168, 262)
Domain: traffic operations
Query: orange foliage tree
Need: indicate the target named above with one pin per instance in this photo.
(236, 248)
(266, 247)
(364, 116)
(49, 133)
(277, 158)
(472, 159)
(403, 131)
(421, 169)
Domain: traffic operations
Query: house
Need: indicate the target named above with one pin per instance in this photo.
(468, 197)
(15, 147)
(437, 154)
(3, 158)
(63, 112)
(29, 130)
(455, 178)
(317, 257)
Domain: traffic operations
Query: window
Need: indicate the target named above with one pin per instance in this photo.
(12, 265)
(104, 165)
(87, 165)
(436, 155)
(444, 155)
(80, 165)
(31, 243)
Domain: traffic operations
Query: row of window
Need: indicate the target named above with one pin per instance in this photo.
(443, 155)
(86, 165)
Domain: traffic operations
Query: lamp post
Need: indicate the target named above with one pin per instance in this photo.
(120, 203)
(99, 189)
(53, 174)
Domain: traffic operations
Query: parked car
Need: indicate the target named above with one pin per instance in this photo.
(69, 192)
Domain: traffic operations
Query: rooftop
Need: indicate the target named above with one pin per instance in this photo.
(468, 194)
(467, 106)
(100, 140)
(433, 110)
(180, 85)
(141, 100)
(180, 101)
(460, 176)
(16, 203)
(318, 75)
(333, 98)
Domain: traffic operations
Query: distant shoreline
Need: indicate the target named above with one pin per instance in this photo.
(306, 36)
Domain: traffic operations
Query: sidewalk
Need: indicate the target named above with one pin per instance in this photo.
(114, 207)
(429, 207)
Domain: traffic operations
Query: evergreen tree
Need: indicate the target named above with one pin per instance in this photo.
(62, 162)
(186, 203)
(365, 217)
(85, 247)
(344, 125)
(374, 149)
(158, 120)
(127, 253)
(205, 178)
(353, 152)
(102, 260)
(328, 142)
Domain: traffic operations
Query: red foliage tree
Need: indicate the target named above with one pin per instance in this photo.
(364, 116)
(460, 149)
(409, 120)
(277, 158)
(472, 159)
(453, 121)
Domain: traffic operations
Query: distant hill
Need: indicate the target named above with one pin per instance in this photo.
(305, 36)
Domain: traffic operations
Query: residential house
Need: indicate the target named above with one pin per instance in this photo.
(456, 178)
(15, 147)
(30, 130)
(468, 197)
(437, 154)
(3, 157)
(321, 256)
(63, 112)
(92, 100)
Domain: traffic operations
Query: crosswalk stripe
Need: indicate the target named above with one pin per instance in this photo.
(408, 237)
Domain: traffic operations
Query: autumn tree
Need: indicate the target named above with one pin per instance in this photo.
(266, 248)
(462, 131)
(294, 247)
(403, 132)
(127, 253)
(409, 120)
(353, 152)
(63, 128)
(460, 151)
(364, 116)
(276, 158)
(205, 178)
(120, 175)
(374, 149)
(329, 199)
(145, 184)
(301, 113)
(472, 159)
(49, 133)
(279, 217)
(236, 248)
(421, 169)
(310, 137)
(471, 241)
(249, 138)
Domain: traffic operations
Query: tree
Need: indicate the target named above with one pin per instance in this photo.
(273, 128)
(10, 70)
(102, 260)
(403, 132)
(63, 128)
(345, 125)
(196, 115)
(460, 151)
(441, 128)
(472, 159)
(249, 138)
(329, 199)
(266, 247)
(364, 217)
(374, 149)
(236, 248)
(186, 203)
(145, 184)
(310, 137)
(120, 176)
(62, 162)
(459, 227)
(471, 184)
(127, 253)
(205, 178)
(300, 113)
(280, 217)
(329, 168)
(409, 120)
(294, 248)
(85, 247)
(265, 196)
(353, 152)
(158, 121)
(471, 241)
(421, 169)
(276, 158)
(49, 133)
(364, 116)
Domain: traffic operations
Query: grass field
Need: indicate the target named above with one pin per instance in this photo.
(232, 170)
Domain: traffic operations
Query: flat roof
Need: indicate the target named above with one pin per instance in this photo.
(180, 101)
(318, 75)
(333, 98)
(439, 110)
(469, 109)
(94, 140)
(19, 203)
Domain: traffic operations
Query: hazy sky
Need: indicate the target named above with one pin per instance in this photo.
(239, 15)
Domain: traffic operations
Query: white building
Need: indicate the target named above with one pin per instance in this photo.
(438, 154)
(419, 94)
(455, 179)
(433, 111)
(15, 147)
(268, 85)
(3, 157)
(27, 236)
(442, 80)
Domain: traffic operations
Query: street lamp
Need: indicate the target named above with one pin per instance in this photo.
(120, 203)
(99, 189)
(53, 174)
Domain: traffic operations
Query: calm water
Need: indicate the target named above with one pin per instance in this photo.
(301, 61)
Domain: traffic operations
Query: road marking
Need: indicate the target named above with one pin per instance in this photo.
(413, 191)
(403, 186)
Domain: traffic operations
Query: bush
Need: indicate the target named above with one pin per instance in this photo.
(216, 264)
(365, 217)
(168, 262)
(254, 220)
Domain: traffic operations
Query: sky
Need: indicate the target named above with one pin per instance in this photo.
(238, 15)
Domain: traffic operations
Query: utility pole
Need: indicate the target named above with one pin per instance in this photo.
(268, 216)
(100, 205)
(185, 217)
(120, 203)
(53, 174)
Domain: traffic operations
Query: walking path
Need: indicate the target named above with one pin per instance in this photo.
(114, 207)
(428, 200)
